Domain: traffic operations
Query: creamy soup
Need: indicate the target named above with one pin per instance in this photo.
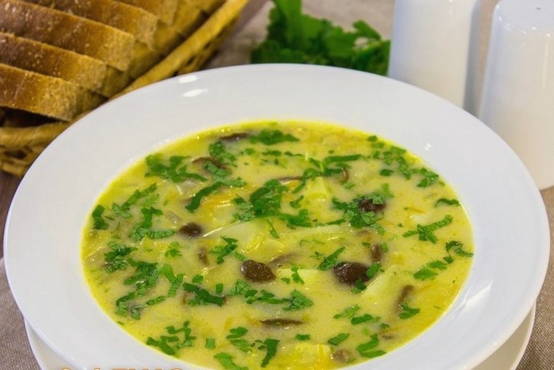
(278, 245)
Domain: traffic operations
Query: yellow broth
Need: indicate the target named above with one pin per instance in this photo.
(291, 245)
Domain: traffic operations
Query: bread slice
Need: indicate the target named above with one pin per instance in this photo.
(163, 9)
(207, 6)
(44, 95)
(136, 21)
(67, 31)
(167, 37)
(49, 60)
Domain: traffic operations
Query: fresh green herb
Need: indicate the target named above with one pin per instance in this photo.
(296, 276)
(218, 151)
(197, 279)
(116, 259)
(373, 270)
(99, 223)
(302, 337)
(272, 231)
(123, 210)
(163, 344)
(222, 251)
(195, 201)
(348, 312)
(294, 37)
(171, 344)
(235, 337)
(226, 361)
(222, 175)
(331, 260)
(218, 288)
(457, 247)
(156, 300)
(174, 170)
(386, 172)
(357, 217)
(338, 339)
(175, 281)
(271, 137)
(361, 319)
(448, 202)
(270, 346)
(438, 265)
(173, 250)
(407, 311)
(142, 229)
(425, 273)
(298, 301)
(159, 234)
(426, 232)
(202, 296)
(144, 279)
(429, 178)
(296, 203)
(368, 349)
(210, 343)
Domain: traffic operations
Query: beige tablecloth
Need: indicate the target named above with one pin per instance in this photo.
(14, 349)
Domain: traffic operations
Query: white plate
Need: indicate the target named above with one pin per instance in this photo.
(507, 357)
(43, 229)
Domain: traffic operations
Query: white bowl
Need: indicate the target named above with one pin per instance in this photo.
(43, 231)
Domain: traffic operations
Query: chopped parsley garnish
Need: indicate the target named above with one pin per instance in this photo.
(226, 361)
(144, 279)
(348, 312)
(368, 349)
(235, 337)
(296, 276)
(271, 137)
(294, 37)
(302, 337)
(201, 296)
(174, 170)
(173, 250)
(338, 339)
(210, 343)
(427, 232)
(296, 203)
(99, 223)
(298, 301)
(425, 273)
(361, 319)
(197, 279)
(222, 251)
(407, 311)
(357, 217)
(373, 270)
(123, 209)
(331, 260)
(116, 259)
(143, 228)
(386, 172)
(429, 178)
(218, 151)
(195, 201)
(154, 301)
(266, 202)
(457, 248)
(448, 202)
(270, 346)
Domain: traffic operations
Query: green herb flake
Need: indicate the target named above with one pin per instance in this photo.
(196, 199)
(331, 260)
(222, 251)
(298, 301)
(226, 361)
(356, 320)
(174, 170)
(338, 339)
(210, 343)
(272, 137)
(368, 349)
(202, 296)
(116, 258)
(303, 337)
(457, 248)
(427, 232)
(99, 223)
(373, 270)
(348, 312)
(425, 274)
(270, 345)
(235, 337)
(407, 311)
(447, 202)
(296, 276)
(220, 153)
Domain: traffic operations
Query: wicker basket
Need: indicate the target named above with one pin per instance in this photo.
(20, 146)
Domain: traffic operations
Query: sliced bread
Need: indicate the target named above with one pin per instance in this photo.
(67, 31)
(131, 19)
(163, 9)
(49, 60)
(44, 95)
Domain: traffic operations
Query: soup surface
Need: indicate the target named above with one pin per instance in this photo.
(284, 245)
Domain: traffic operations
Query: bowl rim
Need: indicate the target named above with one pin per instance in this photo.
(536, 209)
